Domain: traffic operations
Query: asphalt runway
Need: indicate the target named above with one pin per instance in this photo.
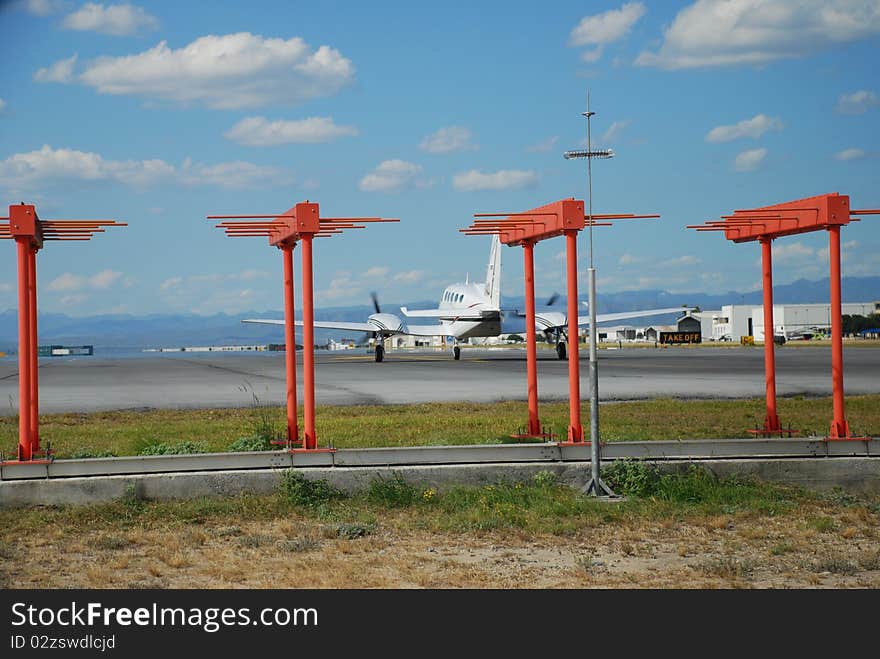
(85, 384)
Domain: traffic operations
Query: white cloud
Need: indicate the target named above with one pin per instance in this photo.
(43, 7)
(593, 55)
(408, 277)
(857, 103)
(754, 128)
(686, 260)
(60, 71)
(448, 140)
(602, 29)
(251, 274)
(5, 288)
(851, 154)
(614, 130)
(73, 300)
(2, 104)
(116, 20)
(341, 286)
(807, 260)
(625, 259)
(26, 170)
(748, 161)
(259, 131)
(72, 282)
(217, 277)
(544, 145)
(231, 71)
(391, 176)
(711, 33)
(229, 292)
(237, 175)
(505, 179)
(104, 279)
(376, 272)
(788, 252)
(67, 282)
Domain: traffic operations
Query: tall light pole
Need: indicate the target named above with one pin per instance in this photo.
(596, 486)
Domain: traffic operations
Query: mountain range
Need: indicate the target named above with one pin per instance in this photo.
(160, 330)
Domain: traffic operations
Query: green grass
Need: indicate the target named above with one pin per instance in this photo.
(364, 426)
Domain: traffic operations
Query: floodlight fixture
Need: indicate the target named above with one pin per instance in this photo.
(587, 153)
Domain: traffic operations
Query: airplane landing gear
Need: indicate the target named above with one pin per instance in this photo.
(560, 350)
(456, 353)
(380, 353)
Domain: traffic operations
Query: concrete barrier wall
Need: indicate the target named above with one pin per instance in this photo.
(852, 474)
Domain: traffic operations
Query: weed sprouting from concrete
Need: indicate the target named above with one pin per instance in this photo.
(301, 491)
(393, 492)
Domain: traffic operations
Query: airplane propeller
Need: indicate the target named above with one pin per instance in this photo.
(375, 300)
(552, 300)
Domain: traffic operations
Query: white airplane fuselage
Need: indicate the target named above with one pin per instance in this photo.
(470, 311)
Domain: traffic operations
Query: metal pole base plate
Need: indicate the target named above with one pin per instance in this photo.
(598, 488)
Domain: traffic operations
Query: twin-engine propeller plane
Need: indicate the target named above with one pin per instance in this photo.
(466, 310)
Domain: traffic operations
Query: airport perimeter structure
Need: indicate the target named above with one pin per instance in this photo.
(302, 223)
(560, 218)
(30, 232)
(765, 224)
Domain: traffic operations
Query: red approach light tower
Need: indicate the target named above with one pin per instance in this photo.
(302, 223)
(29, 232)
(561, 218)
(826, 212)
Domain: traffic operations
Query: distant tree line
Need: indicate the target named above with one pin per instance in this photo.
(858, 324)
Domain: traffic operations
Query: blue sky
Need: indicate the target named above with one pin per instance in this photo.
(160, 113)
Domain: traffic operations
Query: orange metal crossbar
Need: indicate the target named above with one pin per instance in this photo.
(562, 218)
(298, 225)
(30, 232)
(828, 212)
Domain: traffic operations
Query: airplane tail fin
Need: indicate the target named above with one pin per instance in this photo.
(493, 273)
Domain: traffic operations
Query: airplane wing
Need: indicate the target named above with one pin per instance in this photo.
(320, 324)
(427, 330)
(462, 314)
(415, 330)
(624, 315)
(424, 313)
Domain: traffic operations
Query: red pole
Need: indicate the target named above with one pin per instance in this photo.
(310, 439)
(35, 374)
(839, 426)
(534, 427)
(290, 344)
(575, 430)
(771, 420)
(25, 433)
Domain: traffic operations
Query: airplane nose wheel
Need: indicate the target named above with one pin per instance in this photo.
(456, 353)
(380, 353)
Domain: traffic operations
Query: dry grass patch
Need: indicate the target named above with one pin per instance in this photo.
(690, 531)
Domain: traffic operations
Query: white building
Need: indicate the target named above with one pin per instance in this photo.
(789, 320)
(797, 320)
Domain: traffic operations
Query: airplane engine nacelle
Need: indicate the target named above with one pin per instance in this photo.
(386, 322)
(550, 319)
